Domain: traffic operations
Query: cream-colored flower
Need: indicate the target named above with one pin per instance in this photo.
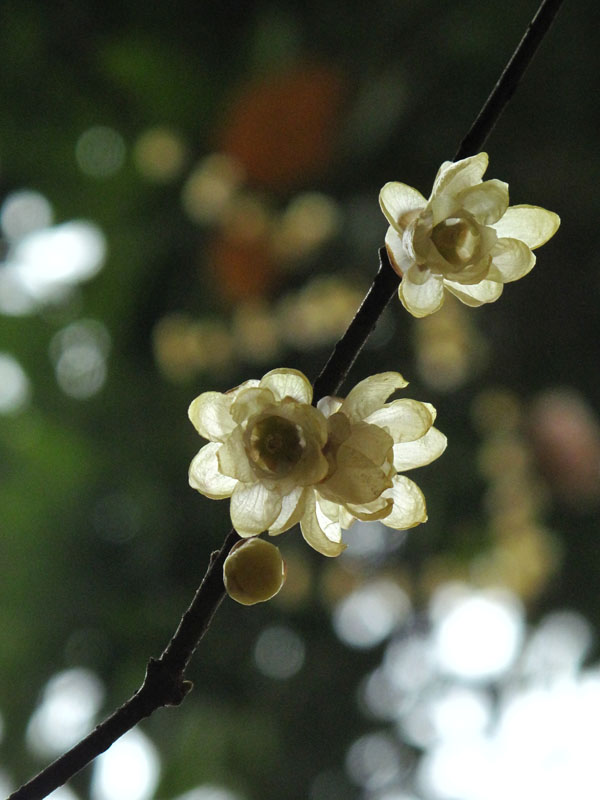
(465, 238)
(370, 442)
(282, 461)
(266, 446)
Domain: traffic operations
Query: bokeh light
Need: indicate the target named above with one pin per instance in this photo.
(369, 614)
(100, 151)
(279, 652)
(24, 211)
(476, 634)
(15, 386)
(159, 154)
(129, 770)
(79, 352)
(66, 712)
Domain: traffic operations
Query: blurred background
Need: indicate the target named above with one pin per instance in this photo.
(188, 198)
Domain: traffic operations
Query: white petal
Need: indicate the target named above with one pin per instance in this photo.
(253, 508)
(487, 201)
(321, 533)
(205, 477)
(477, 294)
(233, 460)
(288, 383)
(370, 394)
(398, 199)
(453, 177)
(409, 455)
(400, 260)
(292, 509)
(409, 505)
(404, 420)
(209, 414)
(511, 259)
(420, 300)
(530, 224)
(251, 401)
(329, 405)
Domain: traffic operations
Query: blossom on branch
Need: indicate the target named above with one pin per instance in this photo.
(282, 461)
(465, 238)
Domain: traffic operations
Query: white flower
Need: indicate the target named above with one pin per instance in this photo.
(266, 446)
(282, 461)
(370, 443)
(465, 238)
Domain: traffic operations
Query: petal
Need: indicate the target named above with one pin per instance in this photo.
(251, 401)
(409, 505)
(476, 295)
(292, 509)
(487, 201)
(511, 259)
(410, 455)
(321, 533)
(400, 260)
(420, 300)
(356, 479)
(205, 477)
(329, 406)
(253, 508)
(530, 224)
(370, 440)
(453, 177)
(288, 383)
(370, 394)
(398, 199)
(233, 460)
(404, 420)
(369, 512)
(210, 414)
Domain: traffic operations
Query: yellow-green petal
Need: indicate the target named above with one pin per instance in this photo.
(370, 394)
(476, 294)
(210, 414)
(454, 176)
(288, 383)
(409, 505)
(321, 533)
(486, 201)
(405, 420)
(397, 200)
(410, 455)
(531, 224)
(511, 260)
(423, 299)
(206, 477)
(253, 508)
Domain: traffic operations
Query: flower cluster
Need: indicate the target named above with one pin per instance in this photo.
(283, 461)
(465, 238)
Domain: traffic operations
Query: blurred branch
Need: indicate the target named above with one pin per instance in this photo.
(164, 683)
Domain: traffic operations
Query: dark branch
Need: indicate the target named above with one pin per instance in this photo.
(164, 683)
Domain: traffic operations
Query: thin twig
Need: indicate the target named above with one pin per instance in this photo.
(164, 683)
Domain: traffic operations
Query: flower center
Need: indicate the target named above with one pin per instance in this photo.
(275, 445)
(457, 240)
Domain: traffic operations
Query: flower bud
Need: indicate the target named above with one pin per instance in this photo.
(253, 572)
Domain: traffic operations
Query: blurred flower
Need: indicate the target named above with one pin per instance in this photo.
(282, 461)
(253, 572)
(465, 238)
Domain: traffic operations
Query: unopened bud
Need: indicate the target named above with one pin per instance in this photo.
(253, 572)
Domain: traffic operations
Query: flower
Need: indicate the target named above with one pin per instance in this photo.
(370, 442)
(282, 461)
(266, 446)
(465, 238)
